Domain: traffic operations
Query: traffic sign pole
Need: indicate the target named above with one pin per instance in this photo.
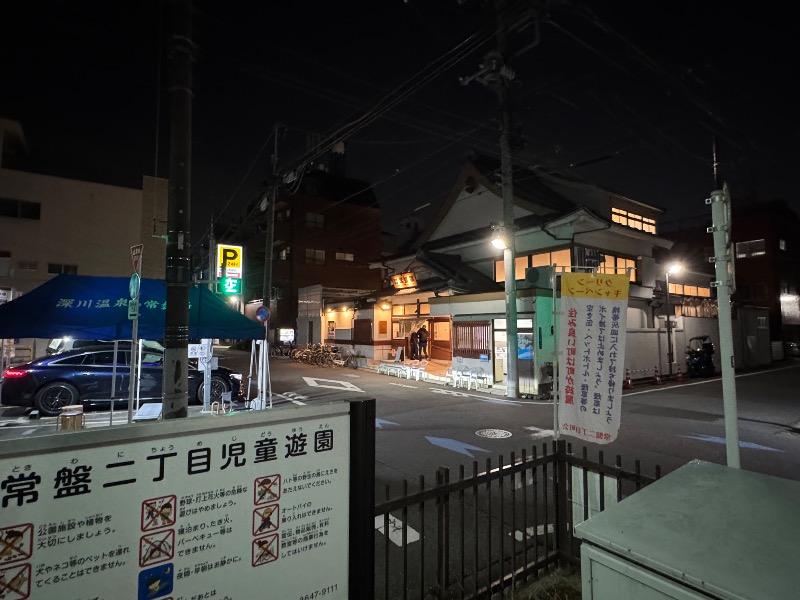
(134, 288)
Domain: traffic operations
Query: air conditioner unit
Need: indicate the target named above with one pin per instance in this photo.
(540, 277)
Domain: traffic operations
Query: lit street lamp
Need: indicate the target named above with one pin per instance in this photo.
(672, 269)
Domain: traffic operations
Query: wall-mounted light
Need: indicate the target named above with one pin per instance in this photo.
(385, 306)
(345, 308)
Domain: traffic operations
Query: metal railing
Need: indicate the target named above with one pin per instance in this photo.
(498, 526)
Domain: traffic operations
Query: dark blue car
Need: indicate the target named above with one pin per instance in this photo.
(85, 376)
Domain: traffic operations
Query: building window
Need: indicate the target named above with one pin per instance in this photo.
(782, 244)
(471, 339)
(559, 258)
(681, 289)
(750, 249)
(315, 257)
(28, 265)
(345, 256)
(58, 269)
(5, 263)
(315, 220)
(20, 209)
(762, 323)
(632, 220)
(410, 310)
(617, 265)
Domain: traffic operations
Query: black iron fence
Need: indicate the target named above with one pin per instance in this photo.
(478, 533)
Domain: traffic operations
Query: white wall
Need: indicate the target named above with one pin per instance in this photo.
(81, 223)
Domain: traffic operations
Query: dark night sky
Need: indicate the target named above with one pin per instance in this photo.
(649, 84)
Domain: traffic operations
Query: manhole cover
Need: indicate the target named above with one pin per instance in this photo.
(493, 433)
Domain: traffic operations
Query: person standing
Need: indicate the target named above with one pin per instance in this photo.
(414, 339)
(423, 341)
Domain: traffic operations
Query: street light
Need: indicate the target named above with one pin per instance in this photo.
(499, 237)
(672, 269)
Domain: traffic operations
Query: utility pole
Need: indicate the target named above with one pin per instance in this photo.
(272, 197)
(495, 74)
(178, 257)
(725, 283)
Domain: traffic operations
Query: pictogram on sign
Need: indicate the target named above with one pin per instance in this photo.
(265, 550)
(16, 543)
(15, 582)
(158, 513)
(156, 547)
(267, 489)
(156, 582)
(266, 519)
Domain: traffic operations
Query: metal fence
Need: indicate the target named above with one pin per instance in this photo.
(480, 533)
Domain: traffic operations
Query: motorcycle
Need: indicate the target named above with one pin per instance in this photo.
(698, 357)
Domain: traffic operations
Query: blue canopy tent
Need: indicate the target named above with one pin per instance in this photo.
(86, 307)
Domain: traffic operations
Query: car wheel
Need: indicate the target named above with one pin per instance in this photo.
(218, 387)
(54, 396)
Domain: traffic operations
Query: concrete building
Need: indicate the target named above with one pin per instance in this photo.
(52, 225)
(327, 232)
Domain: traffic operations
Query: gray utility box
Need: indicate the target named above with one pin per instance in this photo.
(703, 531)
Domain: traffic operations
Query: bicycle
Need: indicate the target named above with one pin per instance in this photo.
(349, 359)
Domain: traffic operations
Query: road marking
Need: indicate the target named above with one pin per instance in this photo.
(379, 423)
(490, 399)
(454, 445)
(343, 386)
(529, 532)
(658, 388)
(293, 397)
(720, 440)
(396, 530)
(413, 387)
(537, 433)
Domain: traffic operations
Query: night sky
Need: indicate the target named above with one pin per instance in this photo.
(628, 95)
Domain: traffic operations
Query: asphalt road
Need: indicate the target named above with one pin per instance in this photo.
(422, 426)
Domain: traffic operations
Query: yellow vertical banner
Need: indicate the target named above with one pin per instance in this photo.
(592, 355)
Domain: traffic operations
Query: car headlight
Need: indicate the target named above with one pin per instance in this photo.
(237, 376)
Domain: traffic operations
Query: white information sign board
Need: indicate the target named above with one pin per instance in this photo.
(240, 510)
(197, 350)
(592, 355)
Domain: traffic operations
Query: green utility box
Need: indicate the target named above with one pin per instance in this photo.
(703, 531)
